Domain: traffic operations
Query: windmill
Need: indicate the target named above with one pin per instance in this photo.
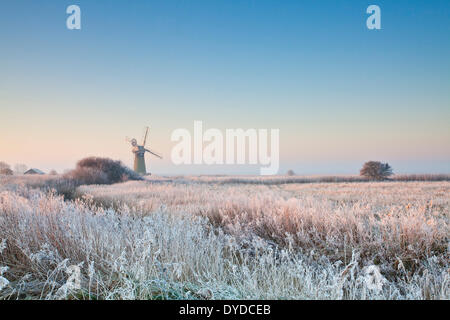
(139, 153)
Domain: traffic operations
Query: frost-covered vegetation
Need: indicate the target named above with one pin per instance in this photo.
(218, 238)
(91, 170)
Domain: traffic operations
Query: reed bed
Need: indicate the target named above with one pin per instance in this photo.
(178, 238)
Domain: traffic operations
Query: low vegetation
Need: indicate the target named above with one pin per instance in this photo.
(214, 238)
(92, 170)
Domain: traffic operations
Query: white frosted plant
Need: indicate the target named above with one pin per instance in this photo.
(3, 281)
(373, 278)
(72, 284)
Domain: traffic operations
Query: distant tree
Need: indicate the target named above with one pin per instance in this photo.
(290, 173)
(4, 165)
(376, 170)
(20, 168)
(53, 172)
(6, 172)
(386, 170)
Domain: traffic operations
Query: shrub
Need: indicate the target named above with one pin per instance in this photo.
(65, 186)
(290, 173)
(376, 170)
(95, 170)
(4, 165)
(6, 172)
(88, 171)
(86, 175)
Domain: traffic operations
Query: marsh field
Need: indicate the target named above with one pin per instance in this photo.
(208, 237)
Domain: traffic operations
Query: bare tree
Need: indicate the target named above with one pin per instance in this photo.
(53, 172)
(376, 170)
(290, 173)
(20, 168)
(4, 165)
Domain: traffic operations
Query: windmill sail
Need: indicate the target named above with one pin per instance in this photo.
(154, 153)
(144, 141)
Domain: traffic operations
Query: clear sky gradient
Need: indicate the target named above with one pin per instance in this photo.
(339, 93)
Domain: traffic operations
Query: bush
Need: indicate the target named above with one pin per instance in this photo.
(4, 165)
(290, 173)
(96, 170)
(6, 172)
(376, 170)
(89, 176)
(91, 170)
(65, 186)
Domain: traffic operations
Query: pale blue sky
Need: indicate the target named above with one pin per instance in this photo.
(339, 93)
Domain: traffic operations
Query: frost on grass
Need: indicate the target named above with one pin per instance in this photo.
(165, 240)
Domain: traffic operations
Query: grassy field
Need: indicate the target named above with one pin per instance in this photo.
(226, 238)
